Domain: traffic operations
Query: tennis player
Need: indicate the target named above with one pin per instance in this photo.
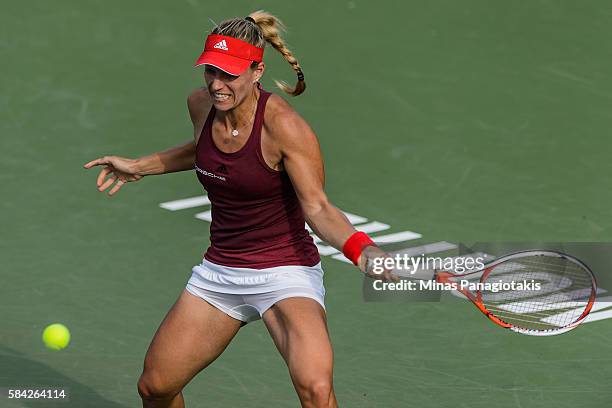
(261, 165)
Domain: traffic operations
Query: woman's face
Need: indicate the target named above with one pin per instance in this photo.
(228, 91)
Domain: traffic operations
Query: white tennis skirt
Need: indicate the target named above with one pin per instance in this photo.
(245, 293)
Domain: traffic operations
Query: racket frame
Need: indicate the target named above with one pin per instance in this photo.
(445, 277)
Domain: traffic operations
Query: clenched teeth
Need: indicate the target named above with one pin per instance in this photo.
(220, 97)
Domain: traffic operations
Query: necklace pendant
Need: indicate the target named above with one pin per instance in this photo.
(235, 133)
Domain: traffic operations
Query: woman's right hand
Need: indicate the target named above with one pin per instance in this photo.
(123, 171)
(367, 262)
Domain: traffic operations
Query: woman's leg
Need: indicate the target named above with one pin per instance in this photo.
(192, 335)
(299, 329)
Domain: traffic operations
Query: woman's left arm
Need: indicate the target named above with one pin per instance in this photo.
(302, 160)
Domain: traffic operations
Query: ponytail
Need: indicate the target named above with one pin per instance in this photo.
(258, 28)
(271, 27)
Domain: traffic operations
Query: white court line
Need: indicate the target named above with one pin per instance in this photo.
(396, 237)
(185, 203)
(342, 258)
(206, 216)
(426, 249)
(386, 239)
(543, 304)
(353, 219)
(368, 228)
(593, 317)
(373, 226)
(326, 250)
(602, 303)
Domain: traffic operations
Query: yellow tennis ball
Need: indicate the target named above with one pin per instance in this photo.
(56, 336)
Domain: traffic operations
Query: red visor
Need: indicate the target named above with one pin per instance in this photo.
(229, 54)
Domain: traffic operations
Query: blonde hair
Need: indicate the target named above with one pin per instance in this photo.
(262, 27)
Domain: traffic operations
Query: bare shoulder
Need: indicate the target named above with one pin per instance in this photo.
(199, 104)
(285, 125)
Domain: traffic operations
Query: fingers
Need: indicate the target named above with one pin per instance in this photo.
(102, 176)
(385, 275)
(97, 162)
(116, 188)
(370, 263)
(104, 184)
(390, 276)
(119, 175)
(107, 183)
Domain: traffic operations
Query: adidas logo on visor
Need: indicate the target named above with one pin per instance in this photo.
(222, 45)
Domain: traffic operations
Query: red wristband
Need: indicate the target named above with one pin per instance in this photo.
(353, 247)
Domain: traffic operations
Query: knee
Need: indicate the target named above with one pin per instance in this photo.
(317, 392)
(152, 386)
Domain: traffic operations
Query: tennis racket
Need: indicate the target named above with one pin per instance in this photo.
(567, 291)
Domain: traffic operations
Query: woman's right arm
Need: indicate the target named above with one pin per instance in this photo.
(178, 158)
(182, 157)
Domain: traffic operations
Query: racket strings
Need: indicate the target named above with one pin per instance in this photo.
(565, 291)
(512, 319)
(539, 319)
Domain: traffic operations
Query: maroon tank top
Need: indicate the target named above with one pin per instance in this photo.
(257, 221)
